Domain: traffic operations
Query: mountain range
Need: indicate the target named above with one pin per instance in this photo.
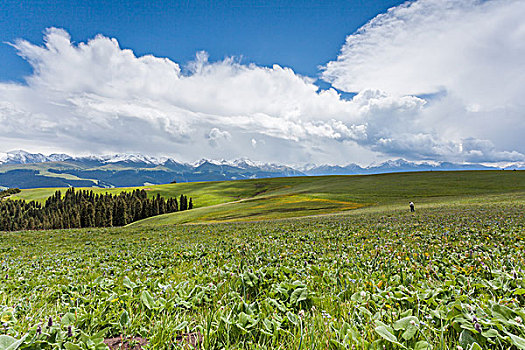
(28, 170)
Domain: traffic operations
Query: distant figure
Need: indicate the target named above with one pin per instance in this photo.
(412, 207)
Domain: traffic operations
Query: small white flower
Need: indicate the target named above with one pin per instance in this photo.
(412, 322)
(363, 294)
(518, 320)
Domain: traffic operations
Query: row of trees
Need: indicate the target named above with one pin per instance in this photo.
(8, 192)
(84, 208)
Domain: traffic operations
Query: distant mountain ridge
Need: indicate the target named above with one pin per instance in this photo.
(28, 170)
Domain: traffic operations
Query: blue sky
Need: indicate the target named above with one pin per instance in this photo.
(298, 34)
(423, 80)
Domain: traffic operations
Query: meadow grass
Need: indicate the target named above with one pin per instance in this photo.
(451, 274)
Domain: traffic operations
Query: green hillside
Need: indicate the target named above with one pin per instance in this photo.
(378, 277)
(300, 196)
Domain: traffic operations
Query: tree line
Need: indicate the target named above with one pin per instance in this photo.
(8, 192)
(84, 208)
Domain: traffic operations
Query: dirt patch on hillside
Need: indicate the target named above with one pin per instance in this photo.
(133, 343)
(192, 339)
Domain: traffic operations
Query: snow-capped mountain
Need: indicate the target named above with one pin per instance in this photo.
(58, 157)
(133, 158)
(125, 170)
(135, 169)
(22, 157)
(397, 165)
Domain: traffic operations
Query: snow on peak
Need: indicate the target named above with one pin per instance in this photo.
(58, 157)
(131, 158)
(244, 163)
(23, 157)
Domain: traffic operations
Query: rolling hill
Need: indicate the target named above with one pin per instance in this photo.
(277, 198)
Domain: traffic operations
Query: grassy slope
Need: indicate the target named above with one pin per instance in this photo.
(299, 196)
(204, 193)
(289, 197)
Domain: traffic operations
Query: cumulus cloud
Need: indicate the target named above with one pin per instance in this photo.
(216, 135)
(98, 97)
(464, 57)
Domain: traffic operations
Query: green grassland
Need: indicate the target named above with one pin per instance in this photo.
(371, 275)
(450, 275)
(261, 199)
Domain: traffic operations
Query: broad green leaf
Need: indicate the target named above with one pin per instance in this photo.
(127, 283)
(6, 341)
(298, 295)
(9, 343)
(292, 318)
(410, 326)
(365, 311)
(124, 319)
(409, 332)
(466, 339)
(490, 333)
(405, 322)
(277, 304)
(406, 313)
(475, 346)
(422, 345)
(387, 333)
(147, 300)
(71, 346)
(501, 310)
(68, 319)
(517, 341)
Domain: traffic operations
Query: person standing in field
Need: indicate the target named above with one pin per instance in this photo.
(412, 207)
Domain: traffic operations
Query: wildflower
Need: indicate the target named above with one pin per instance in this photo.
(477, 327)
(518, 320)
(50, 322)
(38, 330)
(412, 322)
(363, 294)
(69, 331)
(301, 313)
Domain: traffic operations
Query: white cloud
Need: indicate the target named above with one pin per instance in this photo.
(216, 135)
(465, 57)
(97, 97)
